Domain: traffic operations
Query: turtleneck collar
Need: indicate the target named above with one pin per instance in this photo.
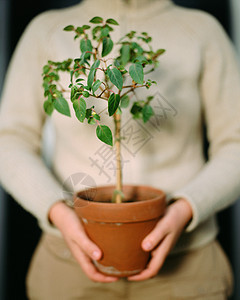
(141, 4)
(135, 9)
(145, 8)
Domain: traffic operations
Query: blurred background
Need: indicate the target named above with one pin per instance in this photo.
(19, 232)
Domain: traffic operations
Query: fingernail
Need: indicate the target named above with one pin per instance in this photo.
(96, 254)
(147, 245)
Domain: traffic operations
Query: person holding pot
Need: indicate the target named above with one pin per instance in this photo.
(198, 87)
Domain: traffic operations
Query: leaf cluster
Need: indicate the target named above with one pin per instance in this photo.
(95, 73)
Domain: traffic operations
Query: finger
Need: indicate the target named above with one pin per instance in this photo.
(158, 257)
(87, 246)
(73, 231)
(155, 236)
(88, 268)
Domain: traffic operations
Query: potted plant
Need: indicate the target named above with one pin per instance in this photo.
(118, 217)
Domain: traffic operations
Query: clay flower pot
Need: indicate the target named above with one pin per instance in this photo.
(118, 229)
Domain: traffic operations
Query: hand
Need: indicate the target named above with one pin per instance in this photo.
(82, 248)
(164, 236)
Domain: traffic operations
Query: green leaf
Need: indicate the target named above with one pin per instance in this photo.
(74, 91)
(117, 62)
(79, 30)
(91, 121)
(89, 112)
(48, 107)
(117, 192)
(87, 87)
(80, 106)
(136, 72)
(96, 116)
(113, 103)
(160, 52)
(85, 94)
(136, 108)
(85, 27)
(96, 20)
(147, 39)
(71, 76)
(79, 80)
(147, 112)
(96, 64)
(104, 134)
(46, 69)
(104, 32)
(91, 76)
(112, 22)
(109, 28)
(95, 30)
(131, 34)
(115, 77)
(125, 54)
(125, 100)
(136, 46)
(92, 72)
(61, 105)
(107, 45)
(142, 59)
(69, 28)
(96, 85)
(86, 46)
(54, 76)
(90, 116)
(150, 98)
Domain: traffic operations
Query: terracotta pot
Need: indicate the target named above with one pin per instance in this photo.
(118, 229)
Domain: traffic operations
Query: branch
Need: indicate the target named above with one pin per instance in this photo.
(132, 89)
(98, 97)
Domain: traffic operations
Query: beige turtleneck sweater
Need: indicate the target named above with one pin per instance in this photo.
(198, 84)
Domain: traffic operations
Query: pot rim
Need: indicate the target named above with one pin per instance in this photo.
(136, 211)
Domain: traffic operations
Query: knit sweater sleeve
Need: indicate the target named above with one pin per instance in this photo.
(217, 185)
(22, 171)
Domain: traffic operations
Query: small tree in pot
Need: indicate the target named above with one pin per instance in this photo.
(96, 74)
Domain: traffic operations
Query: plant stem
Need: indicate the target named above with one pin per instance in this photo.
(117, 120)
(132, 88)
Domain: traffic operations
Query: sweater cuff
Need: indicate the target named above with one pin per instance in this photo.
(195, 217)
(44, 206)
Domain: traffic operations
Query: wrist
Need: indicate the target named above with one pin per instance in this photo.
(56, 212)
(184, 209)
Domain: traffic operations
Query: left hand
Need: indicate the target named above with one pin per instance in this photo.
(164, 236)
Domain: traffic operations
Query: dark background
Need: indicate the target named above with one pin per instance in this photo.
(22, 230)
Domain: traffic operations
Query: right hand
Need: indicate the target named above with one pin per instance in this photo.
(81, 247)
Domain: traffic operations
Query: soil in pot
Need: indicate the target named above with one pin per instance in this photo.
(118, 229)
